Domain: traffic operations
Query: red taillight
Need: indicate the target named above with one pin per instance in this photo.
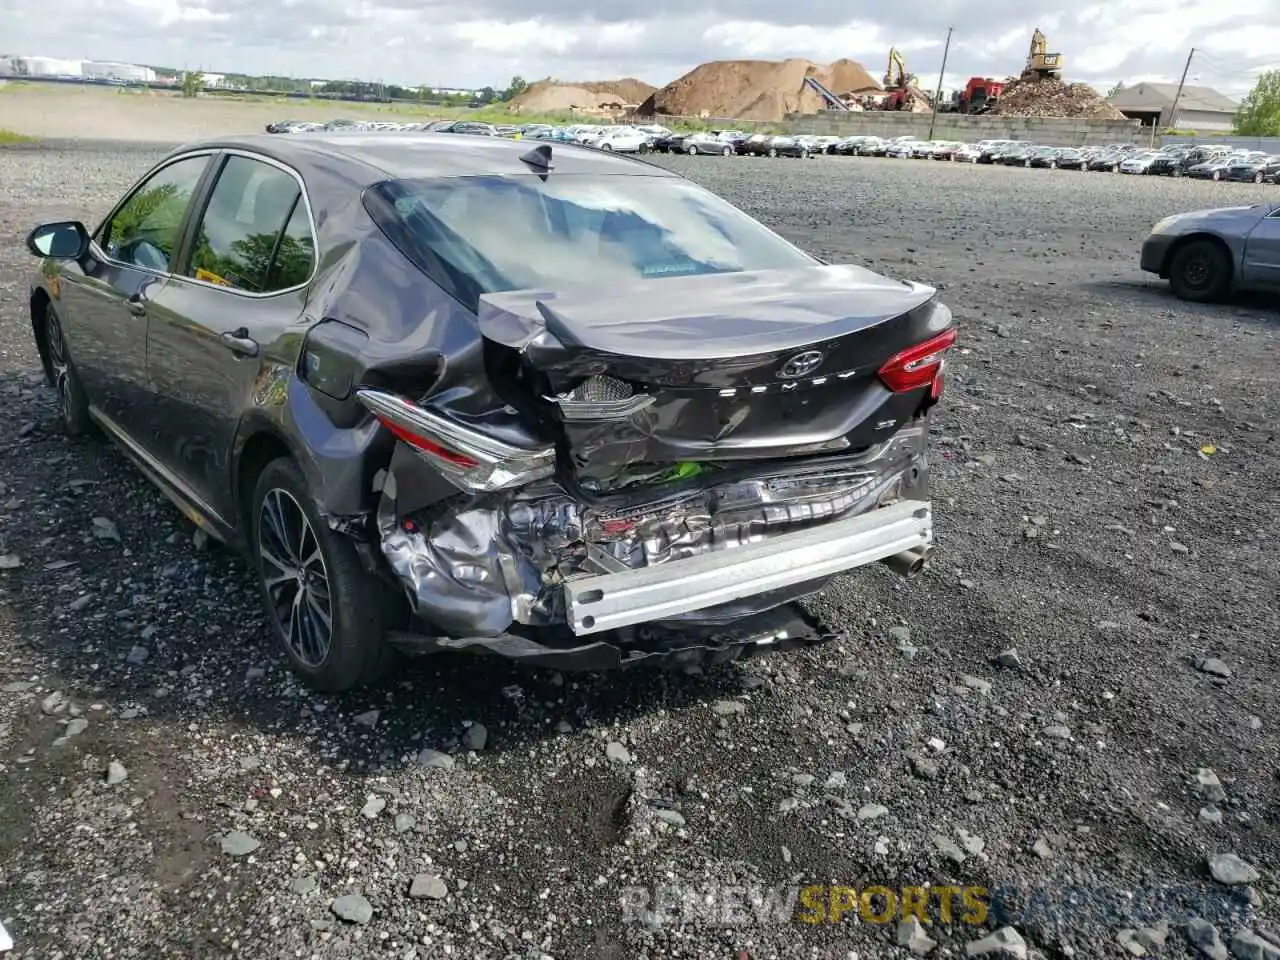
(918, 366)
(428, 446)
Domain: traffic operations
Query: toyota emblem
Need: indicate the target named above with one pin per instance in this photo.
(801, 365)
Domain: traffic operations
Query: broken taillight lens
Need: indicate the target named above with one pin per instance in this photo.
(918, 366)
(469, 459)
(426, 445)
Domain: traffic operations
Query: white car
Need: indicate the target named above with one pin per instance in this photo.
(621, 140)
(1138, 163)
(967, 153)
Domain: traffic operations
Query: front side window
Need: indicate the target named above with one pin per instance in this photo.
(254, 234)
(144, 231)
(478, 235)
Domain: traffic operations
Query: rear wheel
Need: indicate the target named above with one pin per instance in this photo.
(607, 146)
(726, 152)
(773, 151)
(73, 402)
(692, 149)
(327, 612)
(1200, 271)
(1217, 175)
(1257, 177)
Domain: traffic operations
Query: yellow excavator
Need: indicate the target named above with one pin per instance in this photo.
(901, 86)
(1041, 64)
(895, 75)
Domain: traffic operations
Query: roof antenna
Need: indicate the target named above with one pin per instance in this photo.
(539, 158)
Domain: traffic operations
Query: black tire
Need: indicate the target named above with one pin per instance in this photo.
(726, 152)
(1257, 177)
(1200, 272)
(360, 605)
(73, 401)
(607, 147)
(644, 148)
(773, 151)
(1216, 175)
(692, 150)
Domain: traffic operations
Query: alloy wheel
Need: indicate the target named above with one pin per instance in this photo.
(295, 577)
(57, 348)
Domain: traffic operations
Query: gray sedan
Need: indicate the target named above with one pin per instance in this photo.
(1208, 254)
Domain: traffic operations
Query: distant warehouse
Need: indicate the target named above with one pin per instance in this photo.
(50, 67)
(1201, 109)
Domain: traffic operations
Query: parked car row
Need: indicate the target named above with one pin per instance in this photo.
(1209, 162)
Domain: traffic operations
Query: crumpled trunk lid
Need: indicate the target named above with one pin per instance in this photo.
(713, 368)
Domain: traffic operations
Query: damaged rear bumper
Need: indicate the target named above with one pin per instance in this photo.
(614, 600)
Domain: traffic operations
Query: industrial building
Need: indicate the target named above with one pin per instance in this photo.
(56, 67)
(1201, 109)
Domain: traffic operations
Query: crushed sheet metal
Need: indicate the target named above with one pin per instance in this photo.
(490, 561)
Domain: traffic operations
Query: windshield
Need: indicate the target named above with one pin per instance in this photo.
(477, 235)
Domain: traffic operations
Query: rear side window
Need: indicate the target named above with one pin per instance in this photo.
(254, 235)
(477, 235)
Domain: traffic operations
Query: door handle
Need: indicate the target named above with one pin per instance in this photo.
(136, 305)
(239, 342)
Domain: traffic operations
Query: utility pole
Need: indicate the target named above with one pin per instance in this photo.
(1173, 110)
(937, 94)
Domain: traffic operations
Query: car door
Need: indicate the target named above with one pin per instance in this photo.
(105, 304)
(1262, 252)
(228, 319)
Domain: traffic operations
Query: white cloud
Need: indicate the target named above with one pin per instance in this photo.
(479, 42)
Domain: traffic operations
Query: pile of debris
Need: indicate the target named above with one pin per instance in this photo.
(551, 96)
(757, 89)
(1054, 98)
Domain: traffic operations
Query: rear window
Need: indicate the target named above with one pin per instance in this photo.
(477, 235)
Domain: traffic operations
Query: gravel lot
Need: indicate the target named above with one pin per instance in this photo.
(1079, 522)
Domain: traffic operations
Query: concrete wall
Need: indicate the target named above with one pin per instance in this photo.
(1050, 131)
(1204, 121)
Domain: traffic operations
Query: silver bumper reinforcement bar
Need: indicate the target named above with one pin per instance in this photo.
(615, 600)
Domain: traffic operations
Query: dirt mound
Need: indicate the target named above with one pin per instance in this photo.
(756, 89)
(1054, 98)
(549, 96)
(629, 89)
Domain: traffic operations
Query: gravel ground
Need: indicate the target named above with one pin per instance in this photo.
(1105, 463)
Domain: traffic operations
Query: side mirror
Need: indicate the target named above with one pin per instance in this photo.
(64, 240)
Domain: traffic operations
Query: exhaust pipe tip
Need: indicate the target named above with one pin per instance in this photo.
(908, 563)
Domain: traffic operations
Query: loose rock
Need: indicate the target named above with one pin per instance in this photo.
(911, 935)
(352, 908)
(237, 843)
(1229, 869)
(428, 886)
(1204, 937)
(475, 737)
(1005, 942)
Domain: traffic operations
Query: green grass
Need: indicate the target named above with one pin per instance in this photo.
(8, 136)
